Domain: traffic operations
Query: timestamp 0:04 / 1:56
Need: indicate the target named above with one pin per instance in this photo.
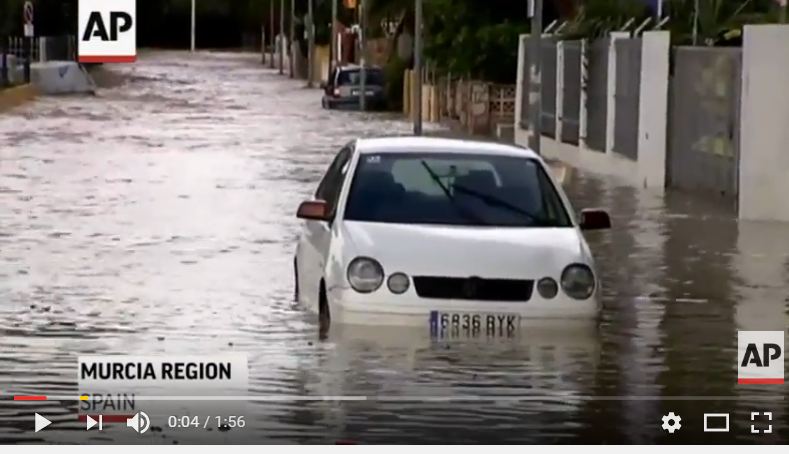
(204, 422)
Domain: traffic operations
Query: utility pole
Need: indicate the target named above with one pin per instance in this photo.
(362, 56)
(535, 75)
(273, 35)
(281, 36)
(292, 33)
(192, 46)
(310, 45)
(335, 57)
(695, 22)
(417, 99)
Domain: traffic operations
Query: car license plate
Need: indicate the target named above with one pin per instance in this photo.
(450, 325)
(368, 92)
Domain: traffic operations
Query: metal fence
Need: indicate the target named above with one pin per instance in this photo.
(597, 94)
(525, 86)
(571, 97)
(548, 87)
(704, 100)
(16, 46)
(59, 47)
(626, 96)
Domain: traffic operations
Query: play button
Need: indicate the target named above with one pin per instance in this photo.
(41, 422)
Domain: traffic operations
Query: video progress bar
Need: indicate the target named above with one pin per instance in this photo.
(560, 398)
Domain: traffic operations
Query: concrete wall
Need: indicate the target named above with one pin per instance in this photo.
(61, 77)
(764, 127)
(758, 134)
(650, 137)
(653, 109)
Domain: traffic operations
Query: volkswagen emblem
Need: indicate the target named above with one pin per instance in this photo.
(471, 287)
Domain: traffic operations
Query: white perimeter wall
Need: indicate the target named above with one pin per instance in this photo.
(649, 170)
(764, 124)
(653, 108)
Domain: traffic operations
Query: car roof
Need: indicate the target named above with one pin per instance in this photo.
(355, 67)
(439, 145)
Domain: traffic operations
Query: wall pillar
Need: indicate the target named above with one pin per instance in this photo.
(583, 113)
(653, 108)
(764, 124)
(557, 125)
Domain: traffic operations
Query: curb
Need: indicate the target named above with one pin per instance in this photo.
(16, 96)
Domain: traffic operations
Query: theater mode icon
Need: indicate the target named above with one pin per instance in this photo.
(760, 357)
(716, 422)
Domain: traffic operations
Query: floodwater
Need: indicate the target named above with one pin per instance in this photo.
(158, 218)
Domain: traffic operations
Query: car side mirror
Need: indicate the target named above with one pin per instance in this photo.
(595, 219)
(314, 210)
(323, 85)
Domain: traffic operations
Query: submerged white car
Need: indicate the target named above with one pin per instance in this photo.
(446, 233)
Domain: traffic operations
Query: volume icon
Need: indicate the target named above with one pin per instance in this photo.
(139, 422)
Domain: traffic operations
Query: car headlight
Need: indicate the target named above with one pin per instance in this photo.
(365, 274)
(547, 287)
(578, 281)
(398, 283)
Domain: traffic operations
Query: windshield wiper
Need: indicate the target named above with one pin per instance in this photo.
(460, 209)
(493, 200)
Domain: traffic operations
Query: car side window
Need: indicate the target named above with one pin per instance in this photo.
(330, 187)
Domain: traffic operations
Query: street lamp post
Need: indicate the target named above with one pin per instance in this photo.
(273, 36)
(535, 75)
(281, 46)
(310, 45)
(292, 35)
(334, 52)
(192, 45)
(362, 56)
(417, 98)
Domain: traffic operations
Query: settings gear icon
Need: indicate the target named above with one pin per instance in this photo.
(671, 422)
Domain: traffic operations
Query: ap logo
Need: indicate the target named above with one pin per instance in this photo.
(107, 31)
(760, 357)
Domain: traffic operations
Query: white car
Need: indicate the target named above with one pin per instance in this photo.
(450, 234)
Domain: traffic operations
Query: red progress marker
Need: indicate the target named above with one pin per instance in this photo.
(760, 381)
(30, 397)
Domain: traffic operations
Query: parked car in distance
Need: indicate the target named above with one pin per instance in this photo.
(444, 233)
(344, 86)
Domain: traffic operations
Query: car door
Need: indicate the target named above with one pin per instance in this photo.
(316, 235)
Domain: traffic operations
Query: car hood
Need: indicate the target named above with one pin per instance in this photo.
(492, 252)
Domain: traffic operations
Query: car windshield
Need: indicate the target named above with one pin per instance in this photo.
(454, 189)
(353, 77)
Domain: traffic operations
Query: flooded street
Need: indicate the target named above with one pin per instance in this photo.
(158, 217)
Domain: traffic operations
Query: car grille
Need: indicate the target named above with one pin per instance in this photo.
(473, 288)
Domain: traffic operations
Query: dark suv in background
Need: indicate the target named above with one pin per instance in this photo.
(344, 85)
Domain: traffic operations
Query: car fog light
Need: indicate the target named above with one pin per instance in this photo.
(398, 283)
(578, 281)
(365, 274)
(547, 287)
